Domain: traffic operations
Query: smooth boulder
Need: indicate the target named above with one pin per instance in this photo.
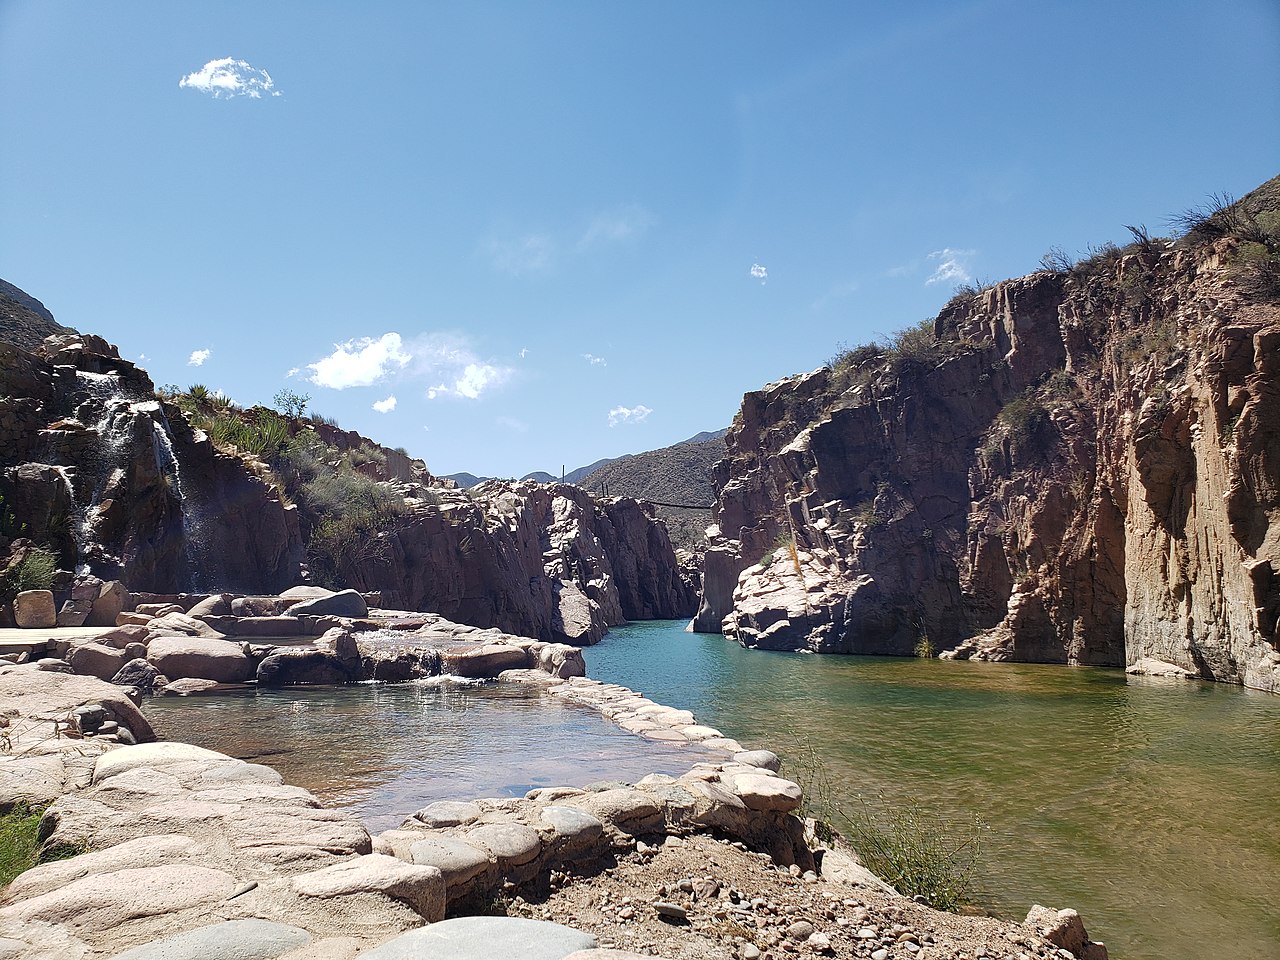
(288, 668)
(200, 658)
(345, 603)
(34, 610)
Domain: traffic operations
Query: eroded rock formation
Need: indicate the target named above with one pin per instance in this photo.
(1079, 466)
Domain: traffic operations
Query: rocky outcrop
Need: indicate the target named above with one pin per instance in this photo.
(1073, 467)
(118, 483)
(539, 560)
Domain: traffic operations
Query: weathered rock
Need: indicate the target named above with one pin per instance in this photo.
(250, 939)
(257, 606)
(483, 938)
(286, 668)
(458, 862)
(74, 613)
(760, 792)
(448, 813)
(34, 609)
(484, 661)
(418, 886)
(200, 658)
(766, 759)
(137, 673)
(219, 604)
(27, 690)
(511, 844)
(176, 622)
(112, 600)
(1065, 929)
(345, 603)
(96, 660)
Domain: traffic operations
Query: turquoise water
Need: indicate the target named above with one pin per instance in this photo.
(1148, 806)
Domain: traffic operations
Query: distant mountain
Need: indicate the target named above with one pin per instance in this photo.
(24, 320)
(674, 474)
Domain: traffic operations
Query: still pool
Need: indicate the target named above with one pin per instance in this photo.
(1149, 806)
(386, 750)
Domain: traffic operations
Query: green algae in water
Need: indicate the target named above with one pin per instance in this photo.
(1146, 805)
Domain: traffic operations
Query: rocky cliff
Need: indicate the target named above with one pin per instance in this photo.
(1078, 466)
(117, 483)
(186, 492)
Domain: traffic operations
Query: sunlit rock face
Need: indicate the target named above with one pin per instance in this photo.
(1076, 467)
(118, 483)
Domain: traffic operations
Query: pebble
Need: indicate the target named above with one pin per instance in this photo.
(881, 954)
(866, 933)
(800, 931)
(819, 942)
(750, 952)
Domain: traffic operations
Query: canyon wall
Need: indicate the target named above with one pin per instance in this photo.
(1078, 466)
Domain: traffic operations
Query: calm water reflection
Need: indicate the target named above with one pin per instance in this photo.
(387, 750)
(1148, 806)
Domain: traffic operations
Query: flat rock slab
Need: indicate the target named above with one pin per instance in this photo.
(153, 755)
(765, 759)
(204, 658)
(571, 824)
(104, 901)
(761, 792)
(484, 938)
(457, 861)
(232, 940)
(420, 887)
(511, 843)
(448, 813)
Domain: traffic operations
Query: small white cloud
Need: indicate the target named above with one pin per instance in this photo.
(142, 358)
(624, 223)
(524, 352)
(385, 406)
(533, 253)
(512, 424)
(594, 360)
(476, 377)
(227, 78)
(293, 372)
(952, 266)
(198, 357)
(636, 414)
(359, 363)
(439, 390)
(760, 272)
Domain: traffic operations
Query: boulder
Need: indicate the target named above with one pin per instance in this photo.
(95, 659)
(448, 813)
(218, 605)
(201, 658)
(34, 609)
(74, 613)
(761, 792)
(137, 673)
(304, 592)
(257, 606)
(486, 661)
(457, 861)
(251, 939)
(287, 668)
(1065, 930)
(159, 609)
(123, 636)
(346, 603)
(112, 600)
(483, 938)
(177, 622)
(420, 887)
(511, 844)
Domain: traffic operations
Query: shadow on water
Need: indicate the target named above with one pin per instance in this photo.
(1146, 805)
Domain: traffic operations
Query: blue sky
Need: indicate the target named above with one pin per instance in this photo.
(535, 226)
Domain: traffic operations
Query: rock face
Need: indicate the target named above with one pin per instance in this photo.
(116, 480)
(539, 560)
(1075, 467)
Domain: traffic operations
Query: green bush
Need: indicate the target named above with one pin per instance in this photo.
(19, 842)
(32, 571)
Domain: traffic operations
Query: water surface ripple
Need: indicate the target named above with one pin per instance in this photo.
(1149, 806)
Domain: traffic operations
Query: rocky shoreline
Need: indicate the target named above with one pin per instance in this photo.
(187, 852)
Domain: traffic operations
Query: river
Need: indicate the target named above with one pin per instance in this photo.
(1149, 806)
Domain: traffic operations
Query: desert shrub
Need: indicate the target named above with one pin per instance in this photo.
(1056, 260)
(1257, 271)
(847, 357)
(918, 854)
(32, 571)
(19, 842)
(291, 404)
(1023, 418)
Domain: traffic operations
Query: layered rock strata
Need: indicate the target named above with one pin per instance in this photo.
(1074, 467)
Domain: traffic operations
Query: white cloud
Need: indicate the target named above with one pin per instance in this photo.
(760, 272)
(143, 358)
(624, 223)
(359, 363)
(198, 357)
(594, 360)
(512, 424)
(952, 266)
(293, 372)
(533, 253)
(524, 352)
(637, 414)
(385, 406)
(227, 78)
